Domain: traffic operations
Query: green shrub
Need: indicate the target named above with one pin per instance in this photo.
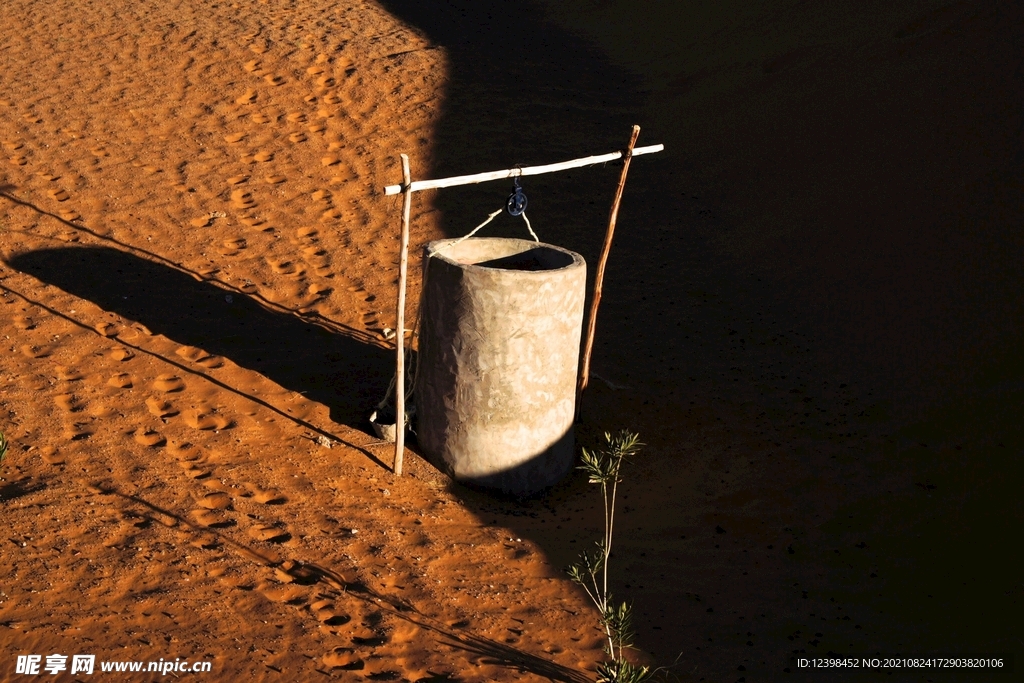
(603, 467)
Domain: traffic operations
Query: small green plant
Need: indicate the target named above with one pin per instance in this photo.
(603, 467)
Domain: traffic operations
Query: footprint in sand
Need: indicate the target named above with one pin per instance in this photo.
(186, 452)
(168, 383)
(209, 518)
(70, 215)
(326, 81)
(79, 430)
(367, 636)
(297, 137)
(142, 329)
(316, 70)
(122, 354)
(194, 471)
(288, 594)
(270, 534)
(326, 613)
(231, 247)
(261, 118)
(331, 215)
(192, 353)
(106, 329)
(273, 79)
(19, 160)
(250, 220)
(51, 456)
(68, 402)
(318, 127)
(247, 98)
(319, 290)
(318, 259)
(237, 179)
(343, 658)
(33, 351)
(207, 541)
(121, 380)
(330, 160)
(148, 437)
(296, 117)
(269, 497)
(199, 419)
(321, 195)
(59, 194)
(307, 233)
(159, 407)
(218, 500)
(201, 222)
(332, 99)
(49, 177)
(263, 157)
(242, 199)
(23, 322)
(102, 411)
(275, 179)
(282, 266)
(252, 66)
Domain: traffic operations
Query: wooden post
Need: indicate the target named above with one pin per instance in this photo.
(403, 268)
(599, 278)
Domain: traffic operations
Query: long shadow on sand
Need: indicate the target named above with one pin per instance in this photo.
(340, 372)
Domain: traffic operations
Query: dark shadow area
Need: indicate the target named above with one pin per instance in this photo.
(344, 374)
(523, 91)
(532, 260)
(812, 312)
(13, 490)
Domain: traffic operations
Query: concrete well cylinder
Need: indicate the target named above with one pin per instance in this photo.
(498, 357)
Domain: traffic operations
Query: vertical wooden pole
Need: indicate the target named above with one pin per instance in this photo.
(403, 268)
(599, 278)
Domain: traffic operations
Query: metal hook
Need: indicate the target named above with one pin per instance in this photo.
(516, 202)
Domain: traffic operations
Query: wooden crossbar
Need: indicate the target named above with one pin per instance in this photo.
(418, 185)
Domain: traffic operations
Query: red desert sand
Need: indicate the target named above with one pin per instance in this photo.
(812, 317)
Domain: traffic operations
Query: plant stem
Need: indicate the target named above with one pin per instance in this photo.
(607, 550)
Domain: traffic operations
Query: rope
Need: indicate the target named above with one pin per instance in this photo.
(467, 235)
(530, 228)
(419, 314)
